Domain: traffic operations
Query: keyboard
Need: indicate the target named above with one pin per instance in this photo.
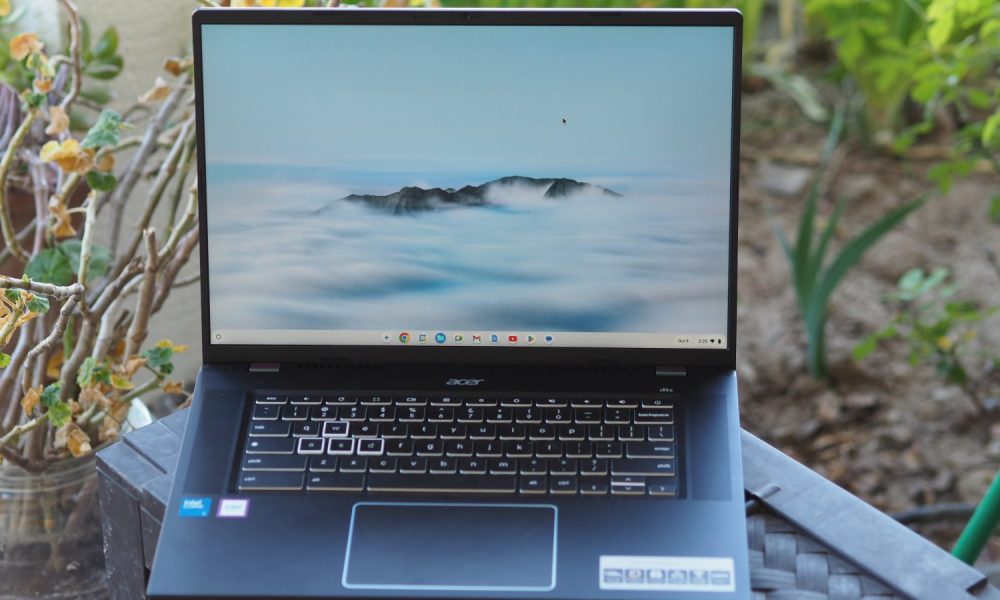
(504, 445)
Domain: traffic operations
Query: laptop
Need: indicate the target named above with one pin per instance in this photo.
(468, 308)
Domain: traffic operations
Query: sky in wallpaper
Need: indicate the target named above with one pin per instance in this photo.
(313, 131)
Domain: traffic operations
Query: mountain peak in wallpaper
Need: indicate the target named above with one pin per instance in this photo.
(416, 199)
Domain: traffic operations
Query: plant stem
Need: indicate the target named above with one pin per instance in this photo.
(46, 289)
(50, 341)
(149, 386)
(187, 220)
(23, 428)
(140, 321)
(87, 242)
(6, 225)
(75, 54)
(10, 326)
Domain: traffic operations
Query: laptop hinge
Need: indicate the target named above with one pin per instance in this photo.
(671, 371)
(262, 367)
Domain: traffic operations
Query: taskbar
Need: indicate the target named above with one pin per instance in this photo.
(464, 338)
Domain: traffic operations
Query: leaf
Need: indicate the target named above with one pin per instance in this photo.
(31, 400)
(55, 363)
(4, 360)
(70, 155)
(105, 132)
(851, 48)
(51, 265)
(995, 207)
(4, 8)
(105, 69)
(38, 304)
(71, 437)
(940, 30)
(91, 373)
(157, 93)
(23, 44)
(58, 120)
(121, 383)
(160, 359)
(100, 257)
(102, 182)
(173, 387)
(59, 414)
(177, 348)
(50, 395)
(107, 44)
(95, 93)
(990, 129)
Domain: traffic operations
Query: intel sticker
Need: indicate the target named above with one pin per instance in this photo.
(195, 507)
(233, 508)
(667, 573)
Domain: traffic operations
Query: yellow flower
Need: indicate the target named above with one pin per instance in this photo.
(70, 157)
(4, 8)
(944, 343)
(58, 121)
(23, 44)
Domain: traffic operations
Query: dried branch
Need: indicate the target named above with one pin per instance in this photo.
(46, 289)
(8, 399)
(185, 223)
(134, 168)
(6, 225)
(87, 242)
(140, 321)
(29, 465)
(175, 200)
(75, 56)
(41, 189)
(54, 337)
(8, 329)
(185, 247)
(22, 235)
(191, 280)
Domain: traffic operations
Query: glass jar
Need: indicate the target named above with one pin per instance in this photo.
(50, 532)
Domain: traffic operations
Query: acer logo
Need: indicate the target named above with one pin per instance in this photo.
(465, 381)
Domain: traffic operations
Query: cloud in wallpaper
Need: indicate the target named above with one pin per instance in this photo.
(558, 179)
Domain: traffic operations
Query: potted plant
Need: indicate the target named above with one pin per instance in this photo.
(79, 286)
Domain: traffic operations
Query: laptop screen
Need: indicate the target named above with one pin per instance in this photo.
(477, 186)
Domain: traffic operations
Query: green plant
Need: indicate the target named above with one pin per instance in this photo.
(937, 328)
(814, 277)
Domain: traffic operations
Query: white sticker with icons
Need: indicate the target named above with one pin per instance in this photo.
(667, 573)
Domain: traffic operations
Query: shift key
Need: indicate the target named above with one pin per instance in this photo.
(643, 466)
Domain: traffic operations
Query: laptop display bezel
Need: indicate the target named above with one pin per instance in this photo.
(689, 357)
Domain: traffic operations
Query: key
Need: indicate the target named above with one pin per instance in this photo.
(429, 447)
(471, 414)
(483, 432)
(306, 429)
(548, 450)
(481, 401)
(562, 466)
(601, 433)
(399, 447)
(528, 415)
(441, 414)
(294, 412)
(323, 413)
(382, 414)
(472, 466)
(659, 433)
(375, 400)
(649, 450)
(627, 480)
(269, 399)
(412, 401)
(311, 445)
(514, 402)
(353, 464)
(413, 465)
(558, 415)
(617, 416)
(532, 484)
(340, 446)
(623, 403)
(593, 487)
(323, 463)
(341, 400)
(255, 480)
(274, 462)
(648, 416)
(453, 432)
(395, 430)
(270, 445)
(579, 449)
(265, 412)
(588, 416)
(335, 429)
(446, 401)
(443, 466)
(367, 447)
(423, 431)
(366, 429)
(352, 413)
(385, 464)
(489, 449)
(586, 403)
(400, 482)
(594, 466)
(541, 432)
(512, 432)
(458, 448)
(517, 449)
(335, 482)
(642, 466)
(503, 466)
(632, 490)
(269, 429)
(658, 403)
(411, 414)
(555, 402)
(562, 485)
(608, 449)
(534, 466)
(499, 414)
(571, 433)
(631, 433)
(309, 399)
(662, 489)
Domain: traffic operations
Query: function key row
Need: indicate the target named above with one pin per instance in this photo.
(406, 400)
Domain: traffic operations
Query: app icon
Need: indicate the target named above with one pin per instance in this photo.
(440, 337)
(495, 338)
(531, 339)
(386, 338)
(404, 337)
(477, 338)
(459, 338)
(422, 338)
(512, 339)
(549, 339)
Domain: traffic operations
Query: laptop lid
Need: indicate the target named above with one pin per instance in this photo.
(468, 186)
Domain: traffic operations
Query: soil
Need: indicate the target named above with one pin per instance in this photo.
(892, 433)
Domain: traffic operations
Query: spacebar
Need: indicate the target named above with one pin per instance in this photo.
(400, 482)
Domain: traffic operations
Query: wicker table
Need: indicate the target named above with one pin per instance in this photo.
(808, 538)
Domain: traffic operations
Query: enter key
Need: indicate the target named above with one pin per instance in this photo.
(649, 450)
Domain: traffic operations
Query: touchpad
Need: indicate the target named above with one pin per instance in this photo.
(451, 546)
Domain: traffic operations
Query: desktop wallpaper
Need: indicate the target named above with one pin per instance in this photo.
(468, 178)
